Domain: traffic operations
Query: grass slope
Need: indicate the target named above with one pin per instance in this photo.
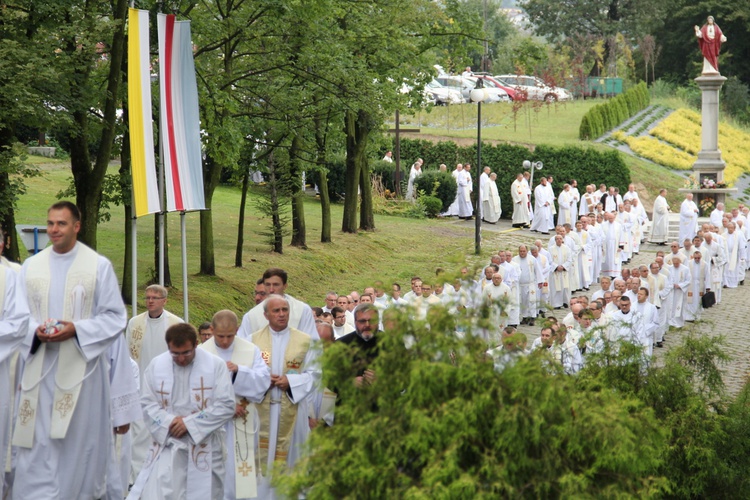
(397, 250)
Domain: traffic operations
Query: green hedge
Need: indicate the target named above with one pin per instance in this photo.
(586, 165)
(603, 117)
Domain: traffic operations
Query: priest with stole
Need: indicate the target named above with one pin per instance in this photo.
(250, 378)
(63, 431)
(187, 397)
(284, 411)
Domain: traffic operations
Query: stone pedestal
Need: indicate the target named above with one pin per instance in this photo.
(709, 164)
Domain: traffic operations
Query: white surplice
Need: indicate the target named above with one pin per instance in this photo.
(73, 467)
(520, 203)
(688, 220)
(168, 479)
(675, 293)
(542, 209)
(152, 343)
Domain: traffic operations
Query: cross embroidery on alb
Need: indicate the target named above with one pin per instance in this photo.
(202, 397)
(64, 405)
(244, 469)
(164, 401)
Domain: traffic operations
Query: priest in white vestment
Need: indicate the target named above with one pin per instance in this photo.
(530, 281)
(660, 225)
(612, 244)
(542, 208)
(716, 258)
(250, 378)
(700, 282)
(284, 412)
(145, 339)
(187, 397)
(14, 320)
(566, 202)
(63, 437)
(688, 219)
(126, 409)
(717, 215)
(300, 314)
(649, 317)
(559, 284)
(498, 297)
(491, 209)
(414, 172)
(464, 194)
(736, 250)
(674, 295)
(453, 209)
(520, 202)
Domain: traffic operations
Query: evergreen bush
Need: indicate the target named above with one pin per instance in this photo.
(441, 185)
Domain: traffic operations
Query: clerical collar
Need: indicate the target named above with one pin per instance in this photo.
(280, 332)
(156, 317)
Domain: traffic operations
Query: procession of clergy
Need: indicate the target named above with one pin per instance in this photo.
(95, 406)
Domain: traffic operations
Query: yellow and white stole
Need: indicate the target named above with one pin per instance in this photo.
(246, 483)
(138, 331)
(78, 303)
(294, 356)
(655, 285)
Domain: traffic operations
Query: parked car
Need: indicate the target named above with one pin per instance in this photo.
(443, 95)
(490, 81)
(466, 84)
(534, 88)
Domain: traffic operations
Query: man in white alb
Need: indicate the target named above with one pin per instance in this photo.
(187, 397)
(688, 219)
(520, 202)
(145, 336)
(250, 378)
(63, 431)
(660, 225)
(300, 314)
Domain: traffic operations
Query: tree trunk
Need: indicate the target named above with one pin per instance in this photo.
(241, 224)
(366, 218)
(211, 178)
(325, 199)
(357, 130)
(299, 235)
(88, 181)
(273, 189)
(9, 219)
(325, 208)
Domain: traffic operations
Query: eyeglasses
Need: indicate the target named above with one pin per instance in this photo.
(181, 354)
(149, 297)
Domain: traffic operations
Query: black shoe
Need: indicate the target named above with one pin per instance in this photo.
(524, 321)
(565, 306)
(531, 323)
(742, 283)
(659, 344)
(541, 313)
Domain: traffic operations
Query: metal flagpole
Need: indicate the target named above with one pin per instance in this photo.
(184, 269)
(134, 264)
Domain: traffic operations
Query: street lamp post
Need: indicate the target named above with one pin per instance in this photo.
(478, 95)
(533, 165)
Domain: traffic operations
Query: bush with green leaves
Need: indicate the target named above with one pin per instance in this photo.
(432, 205)
(441, 420)
(441, 185)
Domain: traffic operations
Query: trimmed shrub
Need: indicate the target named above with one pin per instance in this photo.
(432, 206)
(387, 172)
(614, 112)
(441, 185)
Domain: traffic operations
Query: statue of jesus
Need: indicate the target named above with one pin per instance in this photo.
(710, 39)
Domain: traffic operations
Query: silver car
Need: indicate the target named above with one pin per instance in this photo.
(466, 84)
(534, 88)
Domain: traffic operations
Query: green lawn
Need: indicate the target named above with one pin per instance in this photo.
(397, 250)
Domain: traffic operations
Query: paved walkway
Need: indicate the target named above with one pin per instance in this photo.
(730, 318)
